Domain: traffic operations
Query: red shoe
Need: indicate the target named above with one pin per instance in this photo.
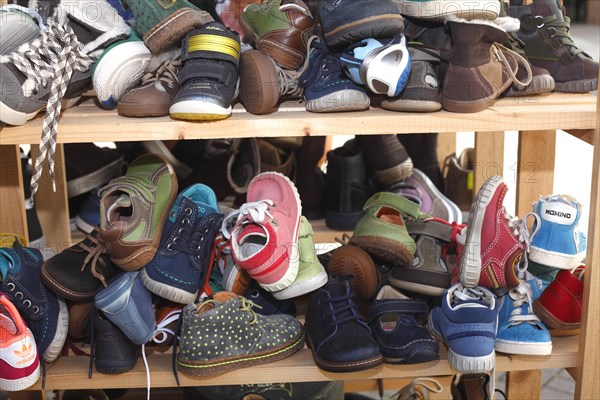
(495, 241)
(559, 306)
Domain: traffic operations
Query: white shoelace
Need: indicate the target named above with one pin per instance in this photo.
(255, 211)
(467, 294)
(521, 295)
(160, 335)
(520, 230)
(51, 58)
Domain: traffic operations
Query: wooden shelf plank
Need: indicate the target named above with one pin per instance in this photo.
(88, 122)
(71, 372)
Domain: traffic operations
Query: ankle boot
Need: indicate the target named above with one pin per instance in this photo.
(310, 179)
(386, 158)
(545, 32)
(347, 186)
(480, 68)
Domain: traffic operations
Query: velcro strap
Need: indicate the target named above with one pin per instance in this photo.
(398, 202)
(217, 46)
(431, 228)
(402, 306)
(212, 69)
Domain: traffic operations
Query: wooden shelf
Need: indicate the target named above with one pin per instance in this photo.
(71, 372)
(87, 122)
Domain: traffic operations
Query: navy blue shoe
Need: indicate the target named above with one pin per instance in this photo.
(46, 315)
(401, 339)
(178, 269)
(327, 88)
(268, 305)
(113, 352)
(347, 21)
(128, 304)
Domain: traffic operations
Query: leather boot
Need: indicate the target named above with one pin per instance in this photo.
(480, 67)
(545, 32)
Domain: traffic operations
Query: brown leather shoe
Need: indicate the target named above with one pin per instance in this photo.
(354, 264)
(280, 29)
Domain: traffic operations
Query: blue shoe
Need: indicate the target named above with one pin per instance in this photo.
(401, 339)
(520, 331)
(44, 313)
(179, 267)
(128, 304)
(383, 65)
(326, 86)
(88, 216)
(558, 243)
(347, 21)
(466, 323)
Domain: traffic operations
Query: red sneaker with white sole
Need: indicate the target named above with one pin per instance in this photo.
(560, 305)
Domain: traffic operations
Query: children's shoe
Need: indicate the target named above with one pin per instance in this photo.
(113, 352)
(439, 10)
(495, 242)
(119, 68)
(560, 305)
(311, 274)
(133, 211)
(264, 240)
(382, 233)
(279, 28)
(266, 303)
(88, 216)
(233, 278)
(19, 25)
(326, 86)
(178, 270)
(383, 65)
(128, 304)
(347, 21)
(45, 314)
(401, 339)
(353, 264)
(209, 77)
(19, 358)
(559, 243)
(225, 333)
(467, 322)
(520, 331)
(81, 271)
(458, 178)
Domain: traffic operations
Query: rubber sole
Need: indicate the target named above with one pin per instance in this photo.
(392, 251)
(551, 321)
(298, 289)
(418, 357)
(15, 385)
(167, 291)
(581, 86)
(169, 31)
(60, 336)
(555, 259)
(539, 84)
(386, 25)
(358, 365)
(470, 263)
(342, 100)
(524, 348)
(13, 117)
(408, 105)
(416, 287)
(358, 266)
(259, 83)
(198, 110)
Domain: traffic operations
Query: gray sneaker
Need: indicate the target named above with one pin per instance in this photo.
(18, 25)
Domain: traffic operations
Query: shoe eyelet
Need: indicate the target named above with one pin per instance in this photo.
(18, 295)
(185, 220)
(539, 17)
(36, 309)
(188, 211)
(27, 303)
(201, 239)
(10, 286)
(179, 231)
(169, 247)
(172, 214)
(553, 31)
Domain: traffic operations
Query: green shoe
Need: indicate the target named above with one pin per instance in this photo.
(163, 23)
(381, 232)
(133, 211)
(311, 274)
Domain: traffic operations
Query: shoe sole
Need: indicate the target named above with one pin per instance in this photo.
(360, 270)
(417, 357)
(216, 366)
(297, 289)
(462, 363)
(416, 287)
(389, 250)
(407, 105)
(82, 225)
(555, 259)
(120, 69)
(198, 110)
(172, 29)
(438, 9)
(342, 100)
(581, 86)
(259, 83)
(539, 84)
(167, 291)
(13, 117)
(470, 263)
(283, 55)
(358, 365)
(16, 385)
(386, 25)
(453, 213)
(524, 348)
(60, 336)
(551, 321)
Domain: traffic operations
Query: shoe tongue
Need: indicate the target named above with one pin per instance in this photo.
(7, 263)
(549, 7)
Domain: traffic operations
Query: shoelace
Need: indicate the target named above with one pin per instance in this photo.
(561, 31)
(317, 57)
(288, 83)
(166, 73)
(343, 310)
(161, 334)
(51, 58)
(95, 250)
(499, 51)
(256, 211)
(521, 231)
(418, 389)
(522, 295)
(469, 294)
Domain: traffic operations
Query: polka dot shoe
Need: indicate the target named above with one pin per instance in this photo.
(224, 333)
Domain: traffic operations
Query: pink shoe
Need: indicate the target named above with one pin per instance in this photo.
(495, 241)
(264, 240)
(19, 358)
